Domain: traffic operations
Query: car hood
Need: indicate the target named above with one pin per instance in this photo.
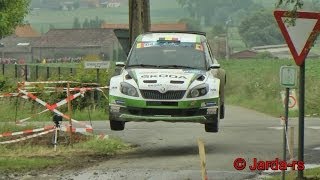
(166, 79)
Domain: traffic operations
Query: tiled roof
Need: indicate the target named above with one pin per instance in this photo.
(91, 37)
(26, 31)
(17, 44)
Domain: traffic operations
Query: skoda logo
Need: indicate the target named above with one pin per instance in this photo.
(162, 90)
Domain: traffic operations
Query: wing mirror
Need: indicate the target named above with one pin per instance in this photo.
(120, 64)
(214, 66)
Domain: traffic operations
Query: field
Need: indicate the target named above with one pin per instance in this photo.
(161, 11)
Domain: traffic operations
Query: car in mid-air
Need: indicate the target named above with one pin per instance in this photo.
(168, 76)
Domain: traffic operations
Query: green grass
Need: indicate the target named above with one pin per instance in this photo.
(25, 164)
(255, 84)
(311, 174)
(23, 158)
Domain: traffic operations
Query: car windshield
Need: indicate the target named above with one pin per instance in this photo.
(168, 54)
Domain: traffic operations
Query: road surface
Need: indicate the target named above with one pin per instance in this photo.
(170, 151)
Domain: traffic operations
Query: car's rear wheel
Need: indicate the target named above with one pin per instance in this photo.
(212, 126)
(116, 125)
(222, 111)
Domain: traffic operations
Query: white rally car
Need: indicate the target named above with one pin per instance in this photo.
(171, 77)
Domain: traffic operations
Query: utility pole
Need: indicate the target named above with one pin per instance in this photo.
(227, 39)
(139, 18)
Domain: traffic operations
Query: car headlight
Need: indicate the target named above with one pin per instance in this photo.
(198, 91)
(128, 89)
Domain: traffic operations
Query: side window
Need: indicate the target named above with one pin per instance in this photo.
(209, 56)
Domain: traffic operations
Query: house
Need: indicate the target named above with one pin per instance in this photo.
(57, 43)
(26, 31)
(18, 46)
(154, 27)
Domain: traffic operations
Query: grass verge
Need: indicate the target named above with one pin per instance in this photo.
(309, 174)
(22, 158)
(255, 84)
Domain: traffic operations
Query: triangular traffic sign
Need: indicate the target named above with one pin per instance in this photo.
(300, 36)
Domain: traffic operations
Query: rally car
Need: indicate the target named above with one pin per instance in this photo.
(171, 77)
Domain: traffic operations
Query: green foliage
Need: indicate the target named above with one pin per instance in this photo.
(297, 4)
(217, 30)
(12, 14)
(51, 26)
(260, 29)
(104, 146)
(254, 84)
(6, 84)
(92, 23)
(264, 55)
(76, 23)
(214, 12)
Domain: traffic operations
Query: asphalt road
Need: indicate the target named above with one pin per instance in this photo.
(170, 151)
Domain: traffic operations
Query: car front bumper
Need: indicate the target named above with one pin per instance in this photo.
(201, 115)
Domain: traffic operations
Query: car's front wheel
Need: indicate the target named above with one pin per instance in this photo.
(116, 125)
(212, 126)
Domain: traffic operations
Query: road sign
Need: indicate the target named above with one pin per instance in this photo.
(288, 76)
(300, 36)
(293, 103)
(96, 64)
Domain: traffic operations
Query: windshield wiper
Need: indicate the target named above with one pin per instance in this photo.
(142, 65)
(177, 66)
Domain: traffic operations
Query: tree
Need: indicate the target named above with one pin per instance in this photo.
(76, 23)
(297, 4)
(76, 4)
(86, 23)
(51, 26)
(12, 14)
(260, 29)
(214, 12)
(217, 30)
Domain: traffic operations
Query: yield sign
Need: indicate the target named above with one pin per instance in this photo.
(301, 36)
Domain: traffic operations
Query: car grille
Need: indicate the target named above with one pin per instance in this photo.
(153, 94)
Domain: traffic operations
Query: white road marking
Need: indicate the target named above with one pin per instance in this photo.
(317, 148)
(280, 127)
(276, 128)
(314, 127)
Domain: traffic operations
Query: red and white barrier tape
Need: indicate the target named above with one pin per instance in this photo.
(78, 130)
(28, 131)
(70, 89)
(52, 107)
(27, 137)
(48, 82)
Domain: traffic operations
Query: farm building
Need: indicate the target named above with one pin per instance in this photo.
(17, 47)
(57, 43)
